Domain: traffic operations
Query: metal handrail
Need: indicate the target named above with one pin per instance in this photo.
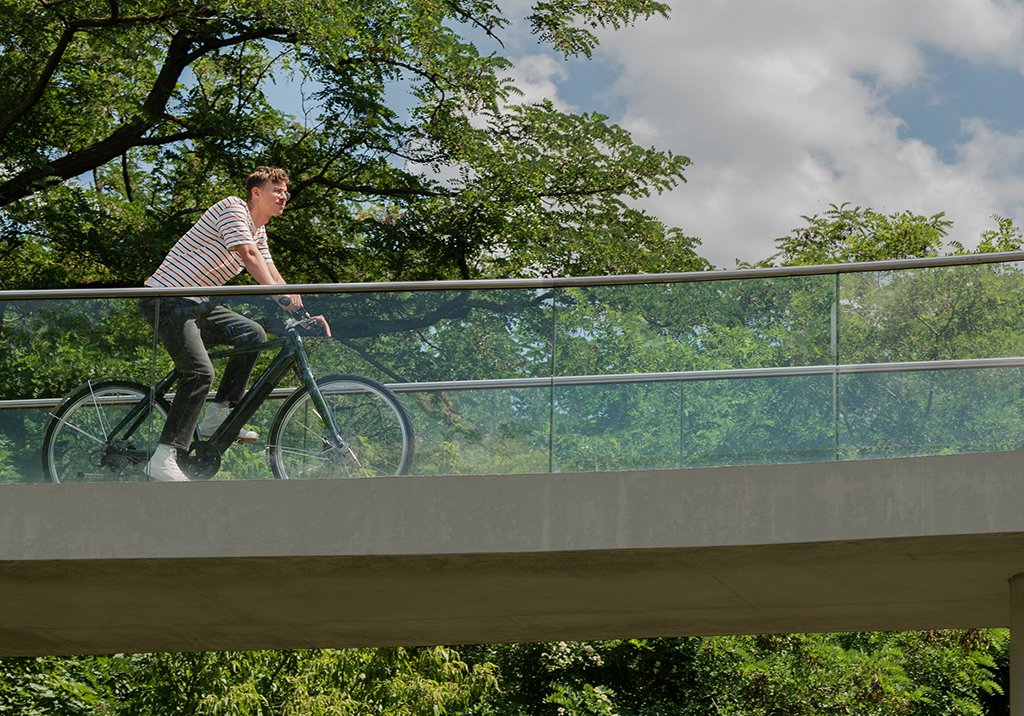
(662, 377)
(523, 283)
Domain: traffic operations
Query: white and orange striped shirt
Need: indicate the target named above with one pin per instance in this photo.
(202, 257)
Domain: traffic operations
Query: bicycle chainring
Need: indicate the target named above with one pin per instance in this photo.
(203, 461)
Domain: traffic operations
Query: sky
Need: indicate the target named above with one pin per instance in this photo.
(787, 106)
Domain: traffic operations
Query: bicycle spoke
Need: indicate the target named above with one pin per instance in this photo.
(99, 411)
(79, 446)
(303, 453)
(101, 441)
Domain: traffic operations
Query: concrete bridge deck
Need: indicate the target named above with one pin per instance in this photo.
(870, 545)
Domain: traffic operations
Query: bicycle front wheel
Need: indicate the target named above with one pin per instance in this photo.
(85, 440)
(372, 422)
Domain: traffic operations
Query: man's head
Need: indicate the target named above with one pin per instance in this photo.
(267, 190)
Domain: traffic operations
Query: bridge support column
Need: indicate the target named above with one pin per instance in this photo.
(1017, 644)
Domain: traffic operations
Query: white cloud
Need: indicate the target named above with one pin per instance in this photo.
(537, 77)
(779, 106)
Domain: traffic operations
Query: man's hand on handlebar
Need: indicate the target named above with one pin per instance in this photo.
(290, 303)
(315, 325)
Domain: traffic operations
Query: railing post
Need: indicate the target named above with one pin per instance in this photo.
(834, 339)
(1017, 644)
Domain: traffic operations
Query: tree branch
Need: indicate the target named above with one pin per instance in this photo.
(378, 190)
(53, 62)
(181, 52)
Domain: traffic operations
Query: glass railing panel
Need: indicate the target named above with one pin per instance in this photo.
(940, 313)
(668, 328)
(933, 412)
(771, 420)
(623, 426)
(404, 338)
(395, 338)
(703, 325)
(481, 431)
(50, 347)
(21, 435)
(694, 423)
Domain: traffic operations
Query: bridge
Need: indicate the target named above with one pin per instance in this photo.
(817, 449)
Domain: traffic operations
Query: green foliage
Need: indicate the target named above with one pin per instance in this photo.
(402, 682)
(121, 122)
(891, 674)
(50, 685)
(852, 235)
(1006, 236)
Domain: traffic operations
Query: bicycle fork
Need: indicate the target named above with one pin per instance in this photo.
(319, 402)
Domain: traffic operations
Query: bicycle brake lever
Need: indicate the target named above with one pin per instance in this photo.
(306, 322)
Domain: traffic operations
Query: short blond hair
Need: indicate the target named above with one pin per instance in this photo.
(265, 175)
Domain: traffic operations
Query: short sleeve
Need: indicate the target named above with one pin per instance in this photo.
(234, 223)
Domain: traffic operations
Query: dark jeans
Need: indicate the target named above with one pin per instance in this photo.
(186, 327)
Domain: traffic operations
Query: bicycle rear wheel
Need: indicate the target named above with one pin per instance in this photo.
(80, 445)
(370, 418)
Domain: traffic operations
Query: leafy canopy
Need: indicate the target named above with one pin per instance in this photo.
(121, 121)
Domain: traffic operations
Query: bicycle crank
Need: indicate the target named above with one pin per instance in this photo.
(203, 461)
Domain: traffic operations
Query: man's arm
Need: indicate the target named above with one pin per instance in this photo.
(267, 274)
(264, 272)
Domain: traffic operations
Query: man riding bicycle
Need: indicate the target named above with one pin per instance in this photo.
(230, 238)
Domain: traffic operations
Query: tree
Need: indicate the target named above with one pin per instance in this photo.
(852, 235)
(402, 682)
(121, 121)
(881, 674)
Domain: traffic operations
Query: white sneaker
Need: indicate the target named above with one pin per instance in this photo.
(216, 414)
(163, 466)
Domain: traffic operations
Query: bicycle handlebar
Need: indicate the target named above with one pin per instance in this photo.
(306, 323)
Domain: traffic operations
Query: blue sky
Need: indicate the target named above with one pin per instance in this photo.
(952, 89)
(790, 105)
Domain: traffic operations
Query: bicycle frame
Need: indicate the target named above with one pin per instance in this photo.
(291, 355)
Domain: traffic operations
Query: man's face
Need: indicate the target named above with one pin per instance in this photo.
(271, 197)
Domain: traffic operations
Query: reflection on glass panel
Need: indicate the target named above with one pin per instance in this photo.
(693, 423)
(758, 421)
(695, 326)
(480, 431)
(21, 434)
(436, 335)
(625, 426)
(902, 414)
(51, 347)
(940, 313)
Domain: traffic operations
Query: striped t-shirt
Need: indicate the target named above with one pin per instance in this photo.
(202, 257)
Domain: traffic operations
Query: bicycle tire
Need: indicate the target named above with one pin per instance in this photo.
(370, 418)
(77, 445)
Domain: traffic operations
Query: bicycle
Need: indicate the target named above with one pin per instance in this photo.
(337, 426)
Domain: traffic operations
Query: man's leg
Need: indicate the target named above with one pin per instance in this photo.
(175, 323)
(184, 342)
(223, 325)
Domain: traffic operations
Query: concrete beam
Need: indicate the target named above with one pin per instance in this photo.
(882, 544)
